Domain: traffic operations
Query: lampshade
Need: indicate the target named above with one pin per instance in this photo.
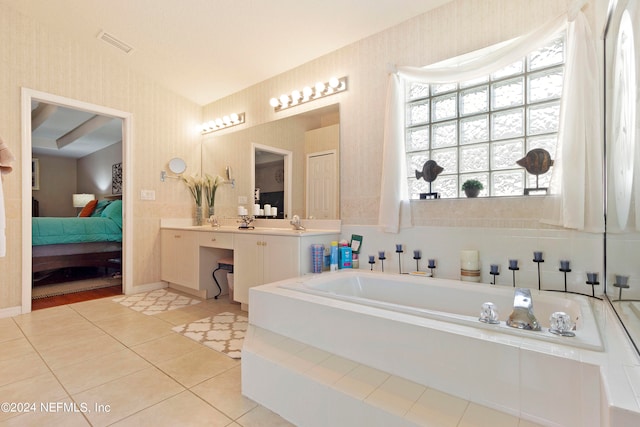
(80, 200)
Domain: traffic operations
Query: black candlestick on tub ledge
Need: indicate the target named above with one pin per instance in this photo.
(513, 266)
(399, 251)
(537, 258)
(564, 267)
(432, 265)
(417, 256)
(494, 272)
(381, 257)
(592, 280)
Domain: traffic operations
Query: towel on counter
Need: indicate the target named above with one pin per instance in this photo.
(6, 158)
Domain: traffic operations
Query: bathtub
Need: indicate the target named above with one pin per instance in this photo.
(454, 301)
(425, 330)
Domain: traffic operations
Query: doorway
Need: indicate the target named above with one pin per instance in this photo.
(29, 98)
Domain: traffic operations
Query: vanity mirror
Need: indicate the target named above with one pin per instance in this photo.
(622, 52)
(293, 161)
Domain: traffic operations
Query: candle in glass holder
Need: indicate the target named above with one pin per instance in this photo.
(381, 255)
(513, 264)
(417, 254)
(398, 248)
(592, 277)
(372, 259)
(537, 256)
(494, 269)
(564, 265)
(432, 263)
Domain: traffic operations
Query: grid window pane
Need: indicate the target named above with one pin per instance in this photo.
(473, 101)
(437, 89)
(479, 128)
(551, 54)
(418, 139)
(444, 134)
(504, 154)
(543, 118)
(446, 186)
(418, 113)
(509, 70)
(474, 129)
(474, 158)
(448, 159)
(444, 107)
(507, 183)
(417, 186)
(507, 124)
(508, 93)
(415, 162)
(418, 91)
(545, 85)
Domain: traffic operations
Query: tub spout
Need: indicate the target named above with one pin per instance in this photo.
(522, 316)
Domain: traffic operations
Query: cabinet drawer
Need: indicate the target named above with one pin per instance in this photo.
(211, 239)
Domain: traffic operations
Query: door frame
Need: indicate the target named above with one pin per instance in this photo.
(29, 95)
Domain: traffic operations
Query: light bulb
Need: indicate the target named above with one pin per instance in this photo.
(274, 102)
(307, 92)
(320, 87)
(284, 100)
(235, 118)
(211, 124)
(334, 82)
(295, 96)
(227, 120)
(219, 122)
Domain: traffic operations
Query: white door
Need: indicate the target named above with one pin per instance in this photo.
(322, 185)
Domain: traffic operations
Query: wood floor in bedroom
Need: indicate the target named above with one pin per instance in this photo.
(41, 303)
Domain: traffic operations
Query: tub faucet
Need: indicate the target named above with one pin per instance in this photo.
(522, 316)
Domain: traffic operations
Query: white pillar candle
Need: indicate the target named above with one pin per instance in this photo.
(256, 209)
(469, 260)
(274, 211)
(267, 209)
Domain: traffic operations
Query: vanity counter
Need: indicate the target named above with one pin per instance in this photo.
(267, 253)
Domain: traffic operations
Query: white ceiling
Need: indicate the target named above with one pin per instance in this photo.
(208, 49)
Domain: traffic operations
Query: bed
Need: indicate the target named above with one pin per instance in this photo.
(94, 240)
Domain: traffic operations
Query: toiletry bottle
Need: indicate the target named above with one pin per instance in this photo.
(334, 256)
(345, 257)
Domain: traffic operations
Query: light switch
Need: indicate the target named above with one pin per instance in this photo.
(147, 195)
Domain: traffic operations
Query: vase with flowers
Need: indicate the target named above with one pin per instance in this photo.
(194, 184)
(210, 185)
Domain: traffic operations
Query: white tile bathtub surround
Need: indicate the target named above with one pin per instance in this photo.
(541, 382)
(495, 246)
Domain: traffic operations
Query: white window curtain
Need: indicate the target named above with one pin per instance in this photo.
(581, 197)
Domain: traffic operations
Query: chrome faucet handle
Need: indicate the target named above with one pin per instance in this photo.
(522, 316)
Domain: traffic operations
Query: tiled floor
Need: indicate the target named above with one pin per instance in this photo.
(121, 368)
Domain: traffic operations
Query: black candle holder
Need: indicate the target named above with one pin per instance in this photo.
(399, 251)
(513, 266)
(381, 257)
(417, 256)
(537, 258)
(372, 260)
(621, 283)
(564, 267)
(592, 280)
(494, 272)
(432, 266)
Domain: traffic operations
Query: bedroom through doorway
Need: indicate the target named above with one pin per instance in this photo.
(77, 195)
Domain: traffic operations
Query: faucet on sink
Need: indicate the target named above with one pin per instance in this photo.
(296, 223)
(522, 316)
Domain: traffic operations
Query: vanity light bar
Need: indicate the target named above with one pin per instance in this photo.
(222, 123)
(319, 90)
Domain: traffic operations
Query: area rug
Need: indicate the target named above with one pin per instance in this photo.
(45, 291)
(223, 332)
(155, 302)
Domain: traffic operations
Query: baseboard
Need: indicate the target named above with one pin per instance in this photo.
(10, 311)
(147, 287)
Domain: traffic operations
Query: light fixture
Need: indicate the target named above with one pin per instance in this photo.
(226, 121)
(319, 90)
(80, 200)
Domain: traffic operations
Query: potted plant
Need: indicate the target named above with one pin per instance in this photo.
(472, 187)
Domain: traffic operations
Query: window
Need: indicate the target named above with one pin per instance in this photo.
(478, 129)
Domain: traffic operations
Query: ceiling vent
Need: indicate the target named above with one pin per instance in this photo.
(118, 44)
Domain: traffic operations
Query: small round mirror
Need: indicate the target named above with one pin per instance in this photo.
(177, 165)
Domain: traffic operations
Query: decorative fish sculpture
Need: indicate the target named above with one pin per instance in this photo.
(430, 171)
(537, 161)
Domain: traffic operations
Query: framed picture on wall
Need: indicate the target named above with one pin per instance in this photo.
(116, 179)
(35, 174)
